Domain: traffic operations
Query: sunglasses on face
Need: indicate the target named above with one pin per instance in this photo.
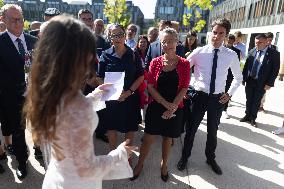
(117, 36)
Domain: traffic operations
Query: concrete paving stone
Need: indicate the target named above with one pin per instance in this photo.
(251, 158)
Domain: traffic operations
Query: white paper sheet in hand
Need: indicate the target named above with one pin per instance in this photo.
(117, 79)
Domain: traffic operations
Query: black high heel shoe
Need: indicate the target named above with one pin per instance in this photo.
(165, 177)
(137, 175)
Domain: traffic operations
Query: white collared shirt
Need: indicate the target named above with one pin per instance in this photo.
(14, 38)
(202, 60)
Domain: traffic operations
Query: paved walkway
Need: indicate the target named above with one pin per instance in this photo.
(250, 157)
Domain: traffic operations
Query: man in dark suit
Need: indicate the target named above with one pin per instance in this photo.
(14, 45)
(259, 74)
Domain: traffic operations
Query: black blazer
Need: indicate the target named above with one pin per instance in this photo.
(269, 68)
(12, 74)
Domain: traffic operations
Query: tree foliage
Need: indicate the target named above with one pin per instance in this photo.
(1, 3)
(195, 5)
(116, 12)
(26, 25)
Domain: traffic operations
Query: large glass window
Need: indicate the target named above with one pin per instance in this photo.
(250, 11)
(280, 6)
(162, 10)
(169, 10)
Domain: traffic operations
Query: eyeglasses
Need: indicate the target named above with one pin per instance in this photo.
(117, 36)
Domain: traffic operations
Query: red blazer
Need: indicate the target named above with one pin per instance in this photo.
(183, 71)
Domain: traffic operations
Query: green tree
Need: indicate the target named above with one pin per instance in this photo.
(1, 3)
(116, 12)
(195, 6)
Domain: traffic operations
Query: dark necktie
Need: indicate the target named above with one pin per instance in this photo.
(21, 48)
(255, 65)
(213, 74)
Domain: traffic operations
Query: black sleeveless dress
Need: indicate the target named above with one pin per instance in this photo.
(167, 86)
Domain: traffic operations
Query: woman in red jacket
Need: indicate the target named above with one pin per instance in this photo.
(168, 80)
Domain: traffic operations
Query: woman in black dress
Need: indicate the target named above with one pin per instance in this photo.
(122, 115)
(168, 80)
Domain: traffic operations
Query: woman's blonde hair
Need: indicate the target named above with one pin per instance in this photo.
(60, 64)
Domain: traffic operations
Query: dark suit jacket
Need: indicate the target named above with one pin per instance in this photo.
(269, 68)
(12, 74)
(155, 50)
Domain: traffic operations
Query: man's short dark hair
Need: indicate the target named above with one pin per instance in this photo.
(231, 37)
(269, 35)
(261, 36)
(222, 22)
(84, 11)
(133, 26)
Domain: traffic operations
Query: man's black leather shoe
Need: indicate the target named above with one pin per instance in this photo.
(181, 164)
(21, 172)
(253, 123)
(102, 137)
(244, 119)
(215, 167)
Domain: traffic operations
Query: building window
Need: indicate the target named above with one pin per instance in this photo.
(169, 10)
(162, 10)
(241, 14)
(270, 7)
(281, 6)
(250, 11)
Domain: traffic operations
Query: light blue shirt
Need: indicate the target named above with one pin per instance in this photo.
(242, 48)
(131, 43)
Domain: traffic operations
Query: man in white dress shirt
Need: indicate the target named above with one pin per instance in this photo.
(210, 72)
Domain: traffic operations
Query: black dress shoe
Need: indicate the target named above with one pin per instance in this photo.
(21, 172)
(38, 153)
(244, 119)
(9, 149)
(165, 177)
(102, 137)
(215, 167)
(253, 123)
(181, 164)
(2, 170)
(3, 156)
